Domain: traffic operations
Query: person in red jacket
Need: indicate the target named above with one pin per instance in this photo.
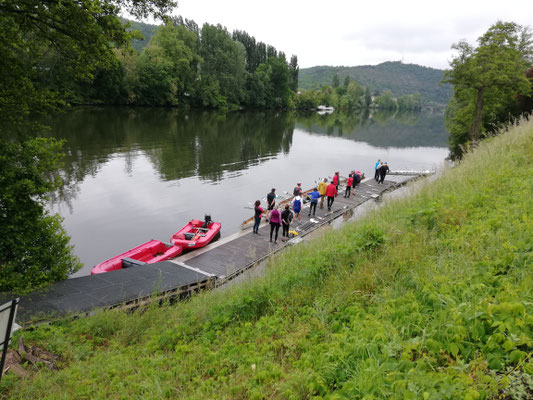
(349, 186)
(331, 193)
(336, 181)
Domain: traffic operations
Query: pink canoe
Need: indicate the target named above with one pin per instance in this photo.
(147, 253)
(193, 236)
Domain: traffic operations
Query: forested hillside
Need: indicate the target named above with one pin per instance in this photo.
(146, 30)
(400, 79)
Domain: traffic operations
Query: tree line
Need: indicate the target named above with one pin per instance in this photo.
(187, 66)
(351, 95)
(492, 85)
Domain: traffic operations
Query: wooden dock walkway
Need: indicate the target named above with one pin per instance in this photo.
(202, 269)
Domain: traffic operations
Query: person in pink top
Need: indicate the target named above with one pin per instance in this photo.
(331, 193)
(275, 223)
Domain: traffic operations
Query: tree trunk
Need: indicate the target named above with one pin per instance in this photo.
(475, 129)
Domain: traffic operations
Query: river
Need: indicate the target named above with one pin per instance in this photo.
(136, 174)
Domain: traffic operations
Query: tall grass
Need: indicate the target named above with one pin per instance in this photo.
(429, 297)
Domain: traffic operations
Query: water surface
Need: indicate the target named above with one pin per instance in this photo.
(136, 174)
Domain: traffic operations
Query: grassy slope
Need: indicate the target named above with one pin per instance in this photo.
(430, 297)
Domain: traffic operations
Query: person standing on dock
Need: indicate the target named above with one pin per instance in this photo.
(297, 190)
(322, 190)
(314, 196)
(258, 211)
(349, 183)
(275, 222)
(383, 172)
(286, 218)
(376, 167)
(336, 181)
(271, 201)
(297, 207)
(331, 193)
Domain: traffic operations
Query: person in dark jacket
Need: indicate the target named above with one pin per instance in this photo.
(271, 201)
(297, 190)
(258, 211)
(383, 172)
(286, 218)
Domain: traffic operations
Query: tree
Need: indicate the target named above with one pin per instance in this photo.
(83, 33)
(34, 248)
(335, 83)
(223, 61)
(486, 80)
(294, 69)
(165, 72)
(386, 101)
(368, 97)
(346, 81)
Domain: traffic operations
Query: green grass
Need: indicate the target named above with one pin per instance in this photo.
(430, 297)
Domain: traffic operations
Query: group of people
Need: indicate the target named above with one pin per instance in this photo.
(381, 169)
(284, 218)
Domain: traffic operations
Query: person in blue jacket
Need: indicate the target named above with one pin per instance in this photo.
(314, 196)
(376, 173)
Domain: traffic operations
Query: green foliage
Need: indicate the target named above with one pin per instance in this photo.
(386, 101)
(427, 298)
(486, 81)
(34, 248)
(50, 50)
(401, 79)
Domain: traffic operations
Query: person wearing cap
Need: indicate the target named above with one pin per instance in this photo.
(271, 201)
(322, 190)
(297, 190)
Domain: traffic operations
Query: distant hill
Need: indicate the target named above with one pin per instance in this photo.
(399, 78)
(147, 31)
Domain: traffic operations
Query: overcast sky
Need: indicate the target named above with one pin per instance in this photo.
(349, 33)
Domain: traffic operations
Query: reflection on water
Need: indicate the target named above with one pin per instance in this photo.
(136, 174)
(381, 128)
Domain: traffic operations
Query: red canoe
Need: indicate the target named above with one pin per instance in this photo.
(193, 236)
(147, 253)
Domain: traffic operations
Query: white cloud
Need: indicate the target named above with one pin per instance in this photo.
(344, 32)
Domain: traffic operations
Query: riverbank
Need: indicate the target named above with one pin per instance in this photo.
(428, 297)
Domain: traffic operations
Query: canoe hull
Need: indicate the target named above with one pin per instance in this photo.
(149, 253)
